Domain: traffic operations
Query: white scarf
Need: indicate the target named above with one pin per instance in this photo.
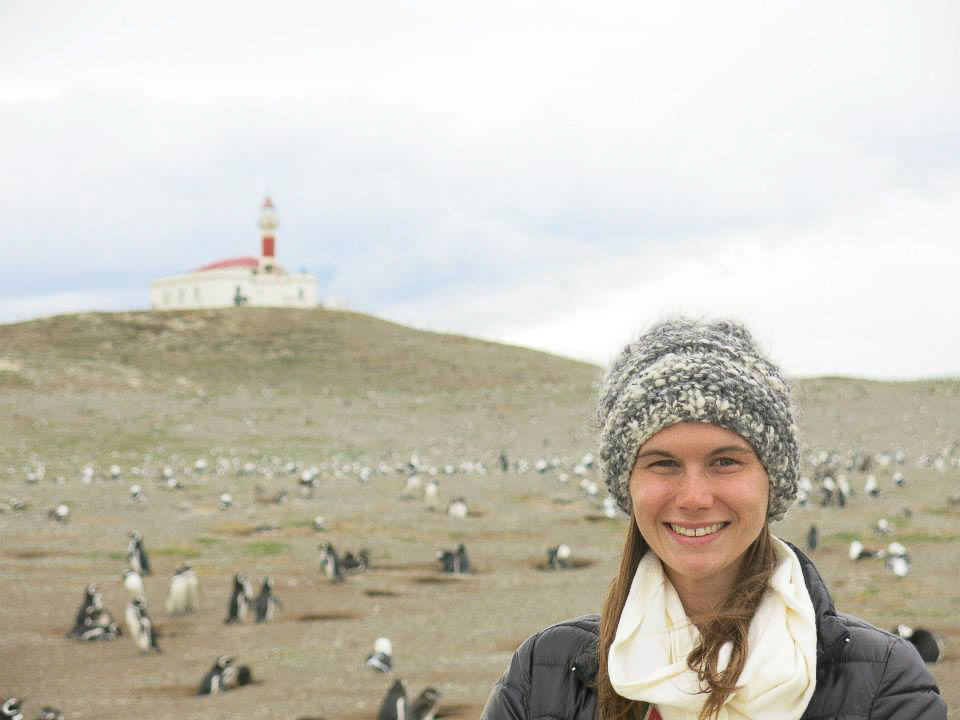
(648, 657)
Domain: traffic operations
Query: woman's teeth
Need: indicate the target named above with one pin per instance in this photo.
(696, 532)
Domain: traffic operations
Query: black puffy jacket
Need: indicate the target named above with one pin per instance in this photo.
(862, 672)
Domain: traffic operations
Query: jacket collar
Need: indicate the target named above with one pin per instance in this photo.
(832, 635)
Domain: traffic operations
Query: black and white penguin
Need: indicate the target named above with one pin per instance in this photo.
(394, 706)
(60, 513)
(92, 600)
(557, 557)
(92, 621)
(10, 709)
(184, 591)
(457, 508)
(355, 563)
(266, 601)
(241, 597)
(134, 585)
(425, 706)
(504, 463)
(49, 713)
(137, 555)
(381, 659)
(223, 676)
(141, 627)
(927, 643)
(330, 562)
(454, 561)
(813, 538)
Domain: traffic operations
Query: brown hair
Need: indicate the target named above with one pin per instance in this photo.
(730, 621)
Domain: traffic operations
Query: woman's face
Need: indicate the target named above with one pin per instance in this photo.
(700, 498)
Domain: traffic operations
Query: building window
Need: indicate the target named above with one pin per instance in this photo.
(300, 293)
(196, 294)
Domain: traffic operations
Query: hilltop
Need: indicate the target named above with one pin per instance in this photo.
(298, 378)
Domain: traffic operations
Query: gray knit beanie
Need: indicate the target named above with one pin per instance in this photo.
(685, 371)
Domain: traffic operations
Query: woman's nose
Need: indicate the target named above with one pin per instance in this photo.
(695, 492)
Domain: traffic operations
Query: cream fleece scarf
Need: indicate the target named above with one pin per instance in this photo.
(648, 657)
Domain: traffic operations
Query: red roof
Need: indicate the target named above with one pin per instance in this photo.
(239, 262)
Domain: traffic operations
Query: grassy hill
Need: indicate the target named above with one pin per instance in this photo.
(332, 381)
(327, 380)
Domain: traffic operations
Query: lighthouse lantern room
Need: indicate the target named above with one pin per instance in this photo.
(238, 281)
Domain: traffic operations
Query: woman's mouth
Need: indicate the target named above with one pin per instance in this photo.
(701, 531)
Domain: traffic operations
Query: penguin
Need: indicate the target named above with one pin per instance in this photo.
(899, 565)
(858, 552)
(425, 706)
(883, 527)
(927, 643)
(355, 563)
(454, 561)
(461, 561)
(91, 601)
(813, 538)
(394, 706)
(49, 713)
(331, 562)
(457, 508)
(870, 486)
(225, 501)
(92, 621)
(609, 507)
(266, 601)
(134, 585)
(504, 463)
(10, 709)
(61, 513)
(557, 557)
(381, 659)
(136, 492)
(430, 495)
(137, 555)
(223, 676)
(412, 487)
(241, 598)
(184, 591)
(141, 627)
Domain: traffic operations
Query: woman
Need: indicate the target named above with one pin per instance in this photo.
(710, 615)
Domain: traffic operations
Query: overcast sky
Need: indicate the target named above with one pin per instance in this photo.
(553, 174)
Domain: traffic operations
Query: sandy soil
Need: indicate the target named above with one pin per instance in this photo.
(456, 634)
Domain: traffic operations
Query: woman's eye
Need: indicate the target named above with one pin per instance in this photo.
(663, 464)
(726, 462)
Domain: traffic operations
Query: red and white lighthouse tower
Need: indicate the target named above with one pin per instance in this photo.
(268, 228)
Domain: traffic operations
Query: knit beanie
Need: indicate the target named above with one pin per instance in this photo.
(686, 371)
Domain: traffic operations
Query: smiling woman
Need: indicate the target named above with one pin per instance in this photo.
(710, 615)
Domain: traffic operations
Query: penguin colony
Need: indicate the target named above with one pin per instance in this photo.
(827, 481)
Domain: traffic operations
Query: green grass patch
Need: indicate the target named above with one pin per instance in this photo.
(104, 555)
(184, 551)
(925, 536)
(267, 547)
(298, 523)
(843, 536)
(207, 541)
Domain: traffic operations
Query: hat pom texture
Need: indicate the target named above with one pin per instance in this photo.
(685, 371)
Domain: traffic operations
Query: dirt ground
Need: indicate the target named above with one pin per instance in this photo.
(453, 633)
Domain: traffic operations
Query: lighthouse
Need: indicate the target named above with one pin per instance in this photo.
(268, 228)
(247, 280)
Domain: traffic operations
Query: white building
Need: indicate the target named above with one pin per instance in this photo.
(258, 281)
